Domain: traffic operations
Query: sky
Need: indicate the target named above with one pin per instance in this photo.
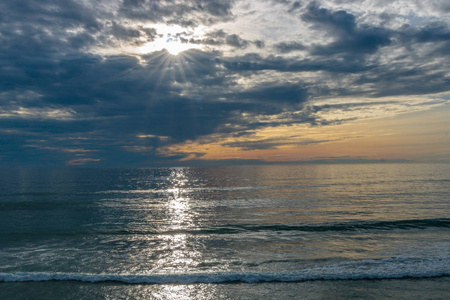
(118, 83)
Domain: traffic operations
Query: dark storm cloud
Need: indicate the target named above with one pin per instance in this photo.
(289, 47)
(368, 79)
(40, 28)
(182, 12)
(254, 62)
(266, 144)
(220, 37)
(410, 83)
(34, 38)
(184, 118)
(433, 32)
(235, 41)
(350, 38)
(123, 33)
(53, 13)
(281, 96)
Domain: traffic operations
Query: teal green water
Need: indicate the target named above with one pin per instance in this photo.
(310, 231)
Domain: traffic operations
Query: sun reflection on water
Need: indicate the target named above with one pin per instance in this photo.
(182, 291)
(179, 215)
(178, 254)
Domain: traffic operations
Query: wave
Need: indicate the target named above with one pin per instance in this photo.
(347, 226)
(244, 229)
(392, 268)
(354, 226)
(226, 277)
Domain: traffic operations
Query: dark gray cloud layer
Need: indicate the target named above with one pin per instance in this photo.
(60, 101)
(350, 39)
(183, 12)
(220, 37)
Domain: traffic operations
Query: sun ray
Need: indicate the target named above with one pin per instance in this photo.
(180, 60)
(165, 63)
(194, 60)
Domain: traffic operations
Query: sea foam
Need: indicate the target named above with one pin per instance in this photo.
(390, 268)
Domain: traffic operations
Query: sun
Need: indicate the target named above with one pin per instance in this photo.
(174, 46)
(169, 38)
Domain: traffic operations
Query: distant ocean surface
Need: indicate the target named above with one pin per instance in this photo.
(318, 231)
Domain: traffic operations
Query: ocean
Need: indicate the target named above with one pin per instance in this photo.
(306, 231)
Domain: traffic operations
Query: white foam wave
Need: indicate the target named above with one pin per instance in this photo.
(393, 268)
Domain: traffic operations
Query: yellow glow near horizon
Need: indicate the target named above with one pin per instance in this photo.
(385, 138)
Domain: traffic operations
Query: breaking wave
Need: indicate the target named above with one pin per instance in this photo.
(389, 268)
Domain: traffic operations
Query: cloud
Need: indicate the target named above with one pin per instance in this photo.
(294, 6)
(36, 113)
(281, 96)
(186, 12)
(235, 41)
(81, 161)
(255, 62)
(74, 75)
(266, 144)
(286, 47)
(432, 32)
(349, 38)
(220, 38)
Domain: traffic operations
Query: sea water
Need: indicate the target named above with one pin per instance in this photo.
(312, 231)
